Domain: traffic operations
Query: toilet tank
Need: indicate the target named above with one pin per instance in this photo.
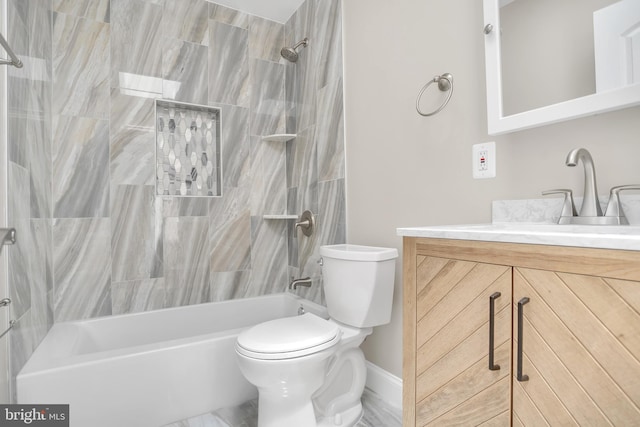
(358, 283)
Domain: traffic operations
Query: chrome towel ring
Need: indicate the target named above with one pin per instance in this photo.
(445, 83)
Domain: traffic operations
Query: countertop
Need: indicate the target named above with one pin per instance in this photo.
(588, 236)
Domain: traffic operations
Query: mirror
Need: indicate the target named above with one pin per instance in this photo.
(553, 60)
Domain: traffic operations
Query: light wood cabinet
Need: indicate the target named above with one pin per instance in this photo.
(580, 334)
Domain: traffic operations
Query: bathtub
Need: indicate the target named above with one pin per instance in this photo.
(150, 368)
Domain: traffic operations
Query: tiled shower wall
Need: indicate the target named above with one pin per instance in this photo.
(314, 110)
(93, 238)
(29, 171)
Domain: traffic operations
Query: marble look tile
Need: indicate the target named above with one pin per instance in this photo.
(41, 278)
(268, 256)
(80, 167)
(186, 255)
(132, 139)
(186, 20)
(274, 175)
(17, 148)
(40, 158)
(267, 101)
(292, 238)
(206, 420)
(231, 244)
(17, 32)
(257, 184)
(19, 254)
(330, 131)
(332, 213)
(82, 268)
(230, 232)
(137, 295)
(228, 64)
(327, 30)
(376, 413)
(331, 229)
(229, 16)
(98, 10)
(175, 207)
(185, 71)
(230, 285)
(302, 170)
(266, 38)
(80, 89)
(303, 72)
(136, 39)
(22, 345)
(136, 233)
(40, 28)
(244, 415)
(235, 146)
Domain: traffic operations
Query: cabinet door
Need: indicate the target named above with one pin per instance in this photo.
(454, 385)
(581, 350)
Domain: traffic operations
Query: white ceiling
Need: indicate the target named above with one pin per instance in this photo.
(274, 10)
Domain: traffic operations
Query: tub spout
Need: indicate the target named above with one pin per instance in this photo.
(590, 202)
(306, 282)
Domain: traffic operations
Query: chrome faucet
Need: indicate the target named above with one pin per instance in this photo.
(590, 202)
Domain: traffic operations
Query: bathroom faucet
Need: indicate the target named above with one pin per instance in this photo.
(590, 212)
(590, 202)
(306, 282)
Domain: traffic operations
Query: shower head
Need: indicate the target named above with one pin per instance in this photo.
(290, 54)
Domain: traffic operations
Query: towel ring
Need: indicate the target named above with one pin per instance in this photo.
(445, 83)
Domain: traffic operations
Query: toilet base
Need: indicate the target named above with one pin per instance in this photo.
(298, 412)
(347, 418)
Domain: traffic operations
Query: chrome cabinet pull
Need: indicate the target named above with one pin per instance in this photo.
(492, 312)
(519, 375)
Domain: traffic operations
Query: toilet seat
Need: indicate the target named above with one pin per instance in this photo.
(288, 338)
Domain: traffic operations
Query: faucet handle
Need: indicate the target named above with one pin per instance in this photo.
(614, 208)
(568, 206)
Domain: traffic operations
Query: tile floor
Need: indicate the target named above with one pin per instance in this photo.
(377, 413)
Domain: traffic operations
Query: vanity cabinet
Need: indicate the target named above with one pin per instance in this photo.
(580, 329)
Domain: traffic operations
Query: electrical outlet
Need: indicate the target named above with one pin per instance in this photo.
(484, 160)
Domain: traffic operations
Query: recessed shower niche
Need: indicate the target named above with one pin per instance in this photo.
(188, 158)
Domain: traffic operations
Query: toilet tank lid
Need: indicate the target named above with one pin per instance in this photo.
(358, 252)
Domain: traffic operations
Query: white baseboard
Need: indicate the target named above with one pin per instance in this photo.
(384, 384)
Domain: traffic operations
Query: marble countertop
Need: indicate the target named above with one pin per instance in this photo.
(606, 237)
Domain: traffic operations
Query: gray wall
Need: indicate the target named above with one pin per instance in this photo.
(93, 239)
(407, 170)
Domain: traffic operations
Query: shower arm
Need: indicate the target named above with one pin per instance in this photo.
(15, 61)
(301, 42)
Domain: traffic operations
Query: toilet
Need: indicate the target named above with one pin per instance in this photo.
(310, 371)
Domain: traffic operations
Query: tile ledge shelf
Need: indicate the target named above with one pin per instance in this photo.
(279, 137)
(280, 216)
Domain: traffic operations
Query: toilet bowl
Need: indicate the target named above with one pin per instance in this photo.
(310, 371)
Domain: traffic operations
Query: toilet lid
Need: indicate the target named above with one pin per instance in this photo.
(288, 337)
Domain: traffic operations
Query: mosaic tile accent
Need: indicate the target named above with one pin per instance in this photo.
(187, 150)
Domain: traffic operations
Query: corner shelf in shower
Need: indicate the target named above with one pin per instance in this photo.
(280, 216)
(279, 137)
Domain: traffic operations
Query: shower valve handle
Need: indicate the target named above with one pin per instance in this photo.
(307, 223)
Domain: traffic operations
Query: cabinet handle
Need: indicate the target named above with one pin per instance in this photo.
(519, 374)
(492, 312)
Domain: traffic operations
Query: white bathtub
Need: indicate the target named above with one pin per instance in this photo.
(151, 368)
